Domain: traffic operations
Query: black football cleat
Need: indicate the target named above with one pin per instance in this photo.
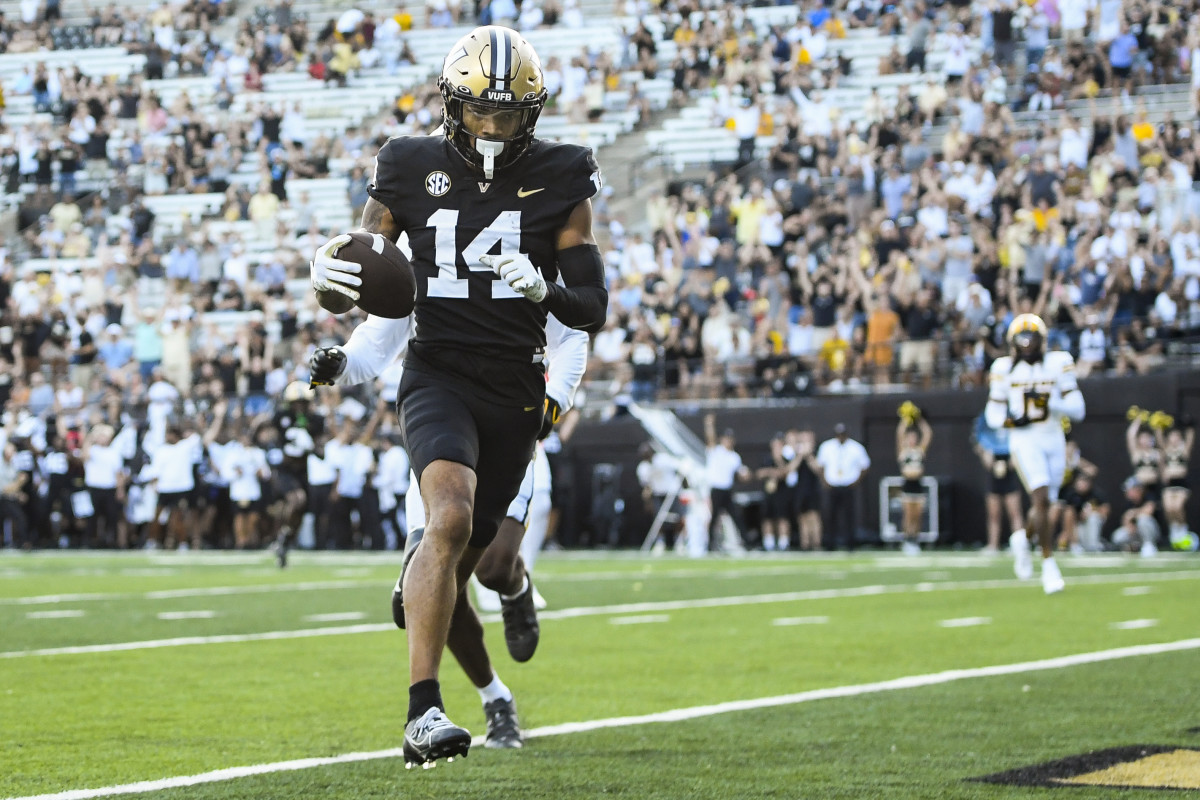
(521, 631)
(432, 736)
(410, 547)
(503, 729)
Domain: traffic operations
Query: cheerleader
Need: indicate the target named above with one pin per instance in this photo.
(1144, 454)
(1176, 447)
(913, 435)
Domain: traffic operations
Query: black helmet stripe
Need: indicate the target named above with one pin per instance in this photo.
(501, 58)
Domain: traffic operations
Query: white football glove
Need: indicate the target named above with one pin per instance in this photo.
(331, 274)
(518, 272)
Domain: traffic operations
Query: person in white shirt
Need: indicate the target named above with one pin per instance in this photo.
(658, 475)
(321, 477)
(392, 478)
(105, 477)
(171, 471)
(724, 468)
(1093, 346)
(244, 465)
(354, 462)
(842, 461)
(375, 345)
(1030, 392)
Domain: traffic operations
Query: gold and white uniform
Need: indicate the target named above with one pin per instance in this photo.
(1031, 400)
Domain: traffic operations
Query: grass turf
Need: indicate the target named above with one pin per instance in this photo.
(97, 719)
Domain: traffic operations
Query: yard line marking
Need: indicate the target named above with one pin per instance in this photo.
(63, 613)
(1132, 591)
(787, 621)
(965, 622)
(340, 616)
(641, 620)
(175, 594)
(673, 715)
(593, 611)
(202, 614)
(188, 640)
(1134, 624)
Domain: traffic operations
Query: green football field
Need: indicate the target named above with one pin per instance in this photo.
(207, 675)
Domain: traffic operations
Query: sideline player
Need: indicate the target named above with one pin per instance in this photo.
(1029, 392)
(482, 200)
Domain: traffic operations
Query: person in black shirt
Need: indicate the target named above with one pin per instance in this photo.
(918, 351)
(483, 200)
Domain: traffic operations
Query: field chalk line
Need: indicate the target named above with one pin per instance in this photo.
(674, 715)
(594, 611)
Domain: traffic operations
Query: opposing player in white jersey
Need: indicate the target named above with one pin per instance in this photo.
(375, 345)
(1029, 393)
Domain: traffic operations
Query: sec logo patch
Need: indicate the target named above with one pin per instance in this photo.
(437, 183)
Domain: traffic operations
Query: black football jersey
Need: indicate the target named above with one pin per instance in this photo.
(471, 328)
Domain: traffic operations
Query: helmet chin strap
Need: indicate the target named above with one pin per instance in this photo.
(489, 150)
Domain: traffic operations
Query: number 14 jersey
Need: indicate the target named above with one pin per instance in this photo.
(471, 328)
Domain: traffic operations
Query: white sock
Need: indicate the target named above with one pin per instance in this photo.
(524, 588)
(1019, 534)
(496, 690)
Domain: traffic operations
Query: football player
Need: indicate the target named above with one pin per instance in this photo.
(1030, 392)
(500, 225)
(374, 345)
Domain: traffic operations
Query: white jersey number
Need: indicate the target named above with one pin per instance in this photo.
(505, 229)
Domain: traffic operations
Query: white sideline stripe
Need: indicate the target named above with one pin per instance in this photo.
(965, 622)
(593, 611)
(201, 614)
(1134, 624)
(644, 619)
(787, 621)
(62, 613)
(339, 616)
(674, 715)
(1132, 591)
(750, 572)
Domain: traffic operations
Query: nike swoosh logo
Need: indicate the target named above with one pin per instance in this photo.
(523, 193)
(531, 408)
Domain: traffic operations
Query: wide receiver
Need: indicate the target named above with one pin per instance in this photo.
(500, 226)
(373, 346)
(1029, 393)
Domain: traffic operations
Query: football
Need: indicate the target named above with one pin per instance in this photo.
(389, 287)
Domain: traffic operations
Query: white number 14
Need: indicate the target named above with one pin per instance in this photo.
(505, 229)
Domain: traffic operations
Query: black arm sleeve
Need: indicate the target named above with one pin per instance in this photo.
(583, 302)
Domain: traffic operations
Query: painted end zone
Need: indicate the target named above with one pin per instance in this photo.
(1131, 767)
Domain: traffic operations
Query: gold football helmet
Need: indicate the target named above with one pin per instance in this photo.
(493, 90)
(1027, 335)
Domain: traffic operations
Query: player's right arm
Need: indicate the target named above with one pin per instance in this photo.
(996, 413)
(377, 219)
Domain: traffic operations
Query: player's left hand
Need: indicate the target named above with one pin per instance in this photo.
(518, 272)
(550, 417)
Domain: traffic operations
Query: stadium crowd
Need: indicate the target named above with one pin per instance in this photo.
(892, 247)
